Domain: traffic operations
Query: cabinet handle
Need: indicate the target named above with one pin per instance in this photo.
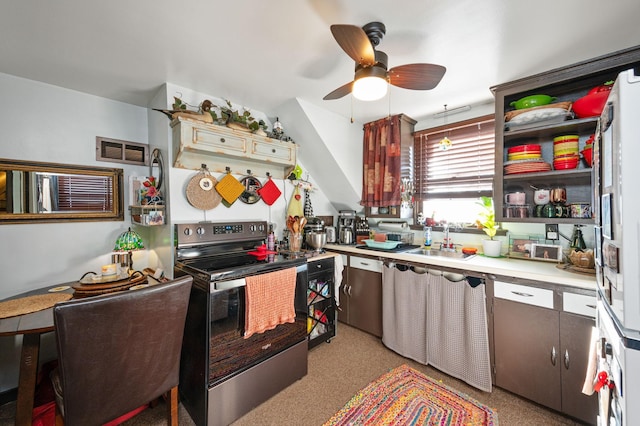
(554, 356)
(364, 263)
(273, 150)
(518, 293)
(591, 306)
(222, 140)
(349, 293)
(318, 266)
(566, 359)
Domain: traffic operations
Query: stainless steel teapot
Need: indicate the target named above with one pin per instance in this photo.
(346, 236)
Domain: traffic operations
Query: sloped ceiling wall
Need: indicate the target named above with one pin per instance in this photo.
(330, 148)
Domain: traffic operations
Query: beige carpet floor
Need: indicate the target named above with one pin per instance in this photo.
(337, 370)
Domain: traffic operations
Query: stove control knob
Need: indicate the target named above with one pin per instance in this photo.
(188, 231)
(252, 228)
(200, 230)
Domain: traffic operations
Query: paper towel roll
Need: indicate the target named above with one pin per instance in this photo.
(393, 226)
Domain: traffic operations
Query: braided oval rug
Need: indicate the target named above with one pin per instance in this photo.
(405, 396)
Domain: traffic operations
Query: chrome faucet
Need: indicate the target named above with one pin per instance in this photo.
(447, 243)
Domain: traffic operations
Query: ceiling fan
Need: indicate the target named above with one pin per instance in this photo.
(372, 78)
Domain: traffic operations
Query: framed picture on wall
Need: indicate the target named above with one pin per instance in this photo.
(546, 252)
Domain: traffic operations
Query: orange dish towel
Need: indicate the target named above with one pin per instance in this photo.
(269, 301)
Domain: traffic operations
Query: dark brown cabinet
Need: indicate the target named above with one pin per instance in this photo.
(361, 294)
(575, 338)
(566, 84)
(526, 338)
(541, 353)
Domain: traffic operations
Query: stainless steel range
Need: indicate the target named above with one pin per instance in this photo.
(224, 375)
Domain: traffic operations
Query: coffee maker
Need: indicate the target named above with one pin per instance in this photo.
(347, 226)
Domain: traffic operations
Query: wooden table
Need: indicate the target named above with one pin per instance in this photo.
(31, 327)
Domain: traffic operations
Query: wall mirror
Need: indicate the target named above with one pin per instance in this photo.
(48, 192)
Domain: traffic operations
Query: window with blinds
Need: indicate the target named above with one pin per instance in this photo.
(84, 193)
(464, 170)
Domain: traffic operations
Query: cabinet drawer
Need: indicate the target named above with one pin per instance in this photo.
(524, 294)
(225, 144)
(580, 304)
(320, 266)
(273, 151)
(372, 265)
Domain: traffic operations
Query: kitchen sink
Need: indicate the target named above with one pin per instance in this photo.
(441, 253)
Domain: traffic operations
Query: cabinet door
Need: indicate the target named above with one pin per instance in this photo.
(343, 297)
(527, 351)
(365, 302)
(575, 338)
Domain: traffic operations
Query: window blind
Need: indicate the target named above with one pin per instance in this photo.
(465, 169)
(84, 193)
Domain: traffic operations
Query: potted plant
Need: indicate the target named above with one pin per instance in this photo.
(491, 247)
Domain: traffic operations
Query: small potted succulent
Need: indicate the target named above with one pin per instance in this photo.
(491, 247)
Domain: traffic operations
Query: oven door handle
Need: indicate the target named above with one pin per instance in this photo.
(227, 285)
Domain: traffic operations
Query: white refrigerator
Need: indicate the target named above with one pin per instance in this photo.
(616, 168)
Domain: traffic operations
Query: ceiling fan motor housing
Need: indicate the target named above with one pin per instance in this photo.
(381, 61)
(374, 71)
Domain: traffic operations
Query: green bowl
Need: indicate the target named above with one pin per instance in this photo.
(532, 101)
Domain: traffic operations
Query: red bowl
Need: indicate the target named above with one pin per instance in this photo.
(565, 165)
(590, 105)
(587, 154)
(566, 157)
(521, 148)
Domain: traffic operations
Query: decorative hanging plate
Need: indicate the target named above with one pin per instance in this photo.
(201, 192)
(252, 187)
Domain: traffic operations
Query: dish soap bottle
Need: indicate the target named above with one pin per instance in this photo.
(427, 237)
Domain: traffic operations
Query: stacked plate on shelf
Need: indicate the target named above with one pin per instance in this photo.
(525, 159)
(565, 152)
(524, 152)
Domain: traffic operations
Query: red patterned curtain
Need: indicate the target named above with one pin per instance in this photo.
(381, 160)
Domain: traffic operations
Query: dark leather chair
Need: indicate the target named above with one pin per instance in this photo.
(119, 351)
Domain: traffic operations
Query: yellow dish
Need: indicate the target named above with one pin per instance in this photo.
(562, 152)
(514, 157)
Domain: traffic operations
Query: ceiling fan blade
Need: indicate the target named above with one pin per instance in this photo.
(416, 76)
(354, 41)
(339, 92)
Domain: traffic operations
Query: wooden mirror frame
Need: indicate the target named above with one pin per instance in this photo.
(116, 213)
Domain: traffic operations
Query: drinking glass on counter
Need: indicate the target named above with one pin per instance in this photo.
(295, 242)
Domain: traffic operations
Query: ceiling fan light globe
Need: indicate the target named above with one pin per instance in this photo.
(370, 88)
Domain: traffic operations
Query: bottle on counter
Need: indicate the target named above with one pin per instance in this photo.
(271, 240)
(427, 236)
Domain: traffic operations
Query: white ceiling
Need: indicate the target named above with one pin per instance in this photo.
(260, 54)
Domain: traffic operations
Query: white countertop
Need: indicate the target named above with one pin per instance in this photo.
(320, 256)
(517, 268)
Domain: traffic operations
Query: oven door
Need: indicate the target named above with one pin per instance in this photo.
(230, 353)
